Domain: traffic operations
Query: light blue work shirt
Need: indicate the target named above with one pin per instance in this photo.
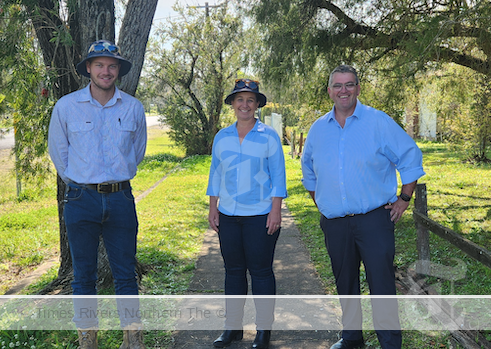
(353, 169)
(247, 176)
(90, 143)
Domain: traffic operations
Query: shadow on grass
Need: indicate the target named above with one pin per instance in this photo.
(151, 161)
(439, 192)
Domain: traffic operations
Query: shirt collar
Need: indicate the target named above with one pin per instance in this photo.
(86, 96)
(258, 127)
(357, 113)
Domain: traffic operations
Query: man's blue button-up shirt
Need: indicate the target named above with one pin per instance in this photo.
(353, 169)
(247, 176)
(90, 143)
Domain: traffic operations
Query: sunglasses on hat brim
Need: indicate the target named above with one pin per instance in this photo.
(241, 83)
(98, 48)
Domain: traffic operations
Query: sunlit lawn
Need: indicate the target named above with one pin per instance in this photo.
(29, 225)
(173, 219)
(459, 197)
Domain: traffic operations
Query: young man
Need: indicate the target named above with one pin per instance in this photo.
(97, 137)
(349, 167)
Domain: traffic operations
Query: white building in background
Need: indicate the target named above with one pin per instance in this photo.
(421, 122)
(427, 121)
(276, 121)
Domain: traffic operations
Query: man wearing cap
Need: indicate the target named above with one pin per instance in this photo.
(97, 137)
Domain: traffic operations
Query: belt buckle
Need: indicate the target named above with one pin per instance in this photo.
(351, 215)
(105, 188)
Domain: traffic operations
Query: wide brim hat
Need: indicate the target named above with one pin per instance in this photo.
(247, 85)
(104, 48)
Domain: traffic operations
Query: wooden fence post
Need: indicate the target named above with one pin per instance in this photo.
(423, 236)
(293, 144)
(300, 144)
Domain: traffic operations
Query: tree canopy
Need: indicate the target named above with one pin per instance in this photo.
(191, 64)
(406, 35)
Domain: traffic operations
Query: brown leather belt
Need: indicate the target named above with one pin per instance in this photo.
(107, 188)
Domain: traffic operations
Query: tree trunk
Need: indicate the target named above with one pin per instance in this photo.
(92, 20)
(56, 56)
(96, 22)
(133, 38)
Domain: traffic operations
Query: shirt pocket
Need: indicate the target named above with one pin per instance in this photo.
(76, 127)
(80, 135)
(126, 130)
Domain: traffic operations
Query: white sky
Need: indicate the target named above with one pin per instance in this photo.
(164, 7)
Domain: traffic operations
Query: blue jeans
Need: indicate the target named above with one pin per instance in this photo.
(245, 245)
(89, 215)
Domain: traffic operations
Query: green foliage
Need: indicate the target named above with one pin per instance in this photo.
(393, 44)
(191, 64)
(407, 36)
(388, 92)
(461, 99)
(480, 121)
(31, 115)
(26, 89)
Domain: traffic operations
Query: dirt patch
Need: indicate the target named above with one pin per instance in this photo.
(13, 278)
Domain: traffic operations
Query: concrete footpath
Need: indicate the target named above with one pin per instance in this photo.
(295, 275)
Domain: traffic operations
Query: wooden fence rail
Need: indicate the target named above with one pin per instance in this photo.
(467, 338)
(424, 225)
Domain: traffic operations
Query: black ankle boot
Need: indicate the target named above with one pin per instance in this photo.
(262, 339)
(227, 337)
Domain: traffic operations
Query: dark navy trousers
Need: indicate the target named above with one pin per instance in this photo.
(246, 246)
(367, 238)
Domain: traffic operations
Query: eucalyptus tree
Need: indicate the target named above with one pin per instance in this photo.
(192, 64)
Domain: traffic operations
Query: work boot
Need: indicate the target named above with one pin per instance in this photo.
(87, 338)
(132, 337)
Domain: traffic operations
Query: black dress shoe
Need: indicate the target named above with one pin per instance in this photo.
(347, 344)
(262, 339)
(227, 337)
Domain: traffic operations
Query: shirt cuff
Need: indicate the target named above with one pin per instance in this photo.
(411, 175)
(309, 184)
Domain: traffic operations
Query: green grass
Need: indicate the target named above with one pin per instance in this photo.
(459, 197)
(172, 222)
(29, 227)
(173, 218)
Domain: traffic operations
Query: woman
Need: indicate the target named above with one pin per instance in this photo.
(246, 186)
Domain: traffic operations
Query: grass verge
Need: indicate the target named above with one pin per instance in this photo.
(172, 222)
(173, 219)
